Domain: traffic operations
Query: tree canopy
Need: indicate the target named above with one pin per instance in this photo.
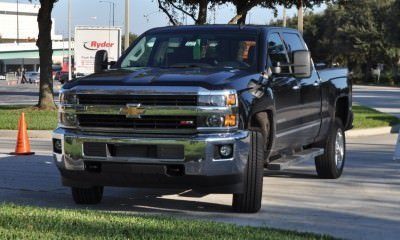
(197, 10)
(359, 35)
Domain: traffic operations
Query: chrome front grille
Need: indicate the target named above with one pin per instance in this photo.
(143, 109)
(145, 100)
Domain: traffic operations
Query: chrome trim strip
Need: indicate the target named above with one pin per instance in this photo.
(150, 110)
(146, 90)
(298, 129)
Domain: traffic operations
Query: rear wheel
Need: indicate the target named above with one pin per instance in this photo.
(91, 195)
(330, 165)
(250, 200)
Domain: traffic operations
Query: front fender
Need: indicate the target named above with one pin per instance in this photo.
(250, 107)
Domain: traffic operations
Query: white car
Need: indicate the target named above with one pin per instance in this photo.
(32, 77)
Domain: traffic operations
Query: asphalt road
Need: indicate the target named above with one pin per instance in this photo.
(22, 94)
(363, 204)
(384, 99)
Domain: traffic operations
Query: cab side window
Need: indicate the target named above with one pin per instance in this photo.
(277, 54)
(293, 43)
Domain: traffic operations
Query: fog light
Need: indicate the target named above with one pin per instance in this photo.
(57, 146)
(226, 151)
(215, 121)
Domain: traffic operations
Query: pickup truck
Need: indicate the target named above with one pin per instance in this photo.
(206, 108)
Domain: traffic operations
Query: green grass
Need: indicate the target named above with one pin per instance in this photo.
(21, 222)
(36, 120)
(365, 117)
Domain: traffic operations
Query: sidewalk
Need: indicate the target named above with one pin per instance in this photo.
(40, 134)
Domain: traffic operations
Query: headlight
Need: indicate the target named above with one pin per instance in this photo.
(215, 121)
(67, 98)
(67, 119)
(217, 100)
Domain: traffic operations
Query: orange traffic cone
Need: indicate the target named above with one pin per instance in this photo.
(23, 146)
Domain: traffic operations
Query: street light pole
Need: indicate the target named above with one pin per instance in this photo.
(126, 40)
(112, 8)
(69, 42)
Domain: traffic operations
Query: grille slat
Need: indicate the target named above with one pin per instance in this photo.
(146, 122)
(149, 100)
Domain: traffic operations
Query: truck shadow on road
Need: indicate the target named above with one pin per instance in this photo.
(290, 174)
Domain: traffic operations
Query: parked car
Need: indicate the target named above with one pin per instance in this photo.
(205, 108)
(32, 77)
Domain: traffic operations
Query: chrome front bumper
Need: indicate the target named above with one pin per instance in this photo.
(198, 151)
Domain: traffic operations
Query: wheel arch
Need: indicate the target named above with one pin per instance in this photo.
(342, 110)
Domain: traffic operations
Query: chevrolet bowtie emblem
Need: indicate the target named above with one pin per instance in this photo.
(132, 110)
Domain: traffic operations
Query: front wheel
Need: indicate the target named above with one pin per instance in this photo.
(91, 195)
(330, 165)
(250, 200)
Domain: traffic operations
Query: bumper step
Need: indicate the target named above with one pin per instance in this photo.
(287, 161)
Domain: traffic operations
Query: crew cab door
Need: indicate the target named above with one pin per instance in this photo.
(286, 90)
(310, 93)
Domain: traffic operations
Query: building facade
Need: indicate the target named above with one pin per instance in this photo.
(18, 34)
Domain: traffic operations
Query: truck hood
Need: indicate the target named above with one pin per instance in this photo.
(206, 78)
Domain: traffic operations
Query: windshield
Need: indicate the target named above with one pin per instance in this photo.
(193, 50)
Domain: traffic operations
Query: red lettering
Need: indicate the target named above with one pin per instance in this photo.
(95, 44)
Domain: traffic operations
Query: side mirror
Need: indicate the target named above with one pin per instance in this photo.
(302, 64)
(101, 61)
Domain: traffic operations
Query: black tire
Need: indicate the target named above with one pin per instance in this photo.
(91, 195)
(326, 165)
(250, 200)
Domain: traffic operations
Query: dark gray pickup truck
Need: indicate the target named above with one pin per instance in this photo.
(206, 108)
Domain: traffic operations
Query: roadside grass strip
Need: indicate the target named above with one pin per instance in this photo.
(365, 117)
(23, 222)
(36, 119)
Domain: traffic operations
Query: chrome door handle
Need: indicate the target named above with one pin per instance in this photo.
(297, 87)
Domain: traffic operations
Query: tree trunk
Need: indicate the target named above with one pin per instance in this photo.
(202, 17)
(46, 99)
(300, 19)
(241, 14)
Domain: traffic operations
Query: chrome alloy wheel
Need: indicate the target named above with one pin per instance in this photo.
(339, 149)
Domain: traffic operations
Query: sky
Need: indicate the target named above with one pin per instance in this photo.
(144, 14)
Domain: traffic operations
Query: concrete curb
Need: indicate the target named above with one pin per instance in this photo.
(372, 131)
(41, 134)
(368, 132)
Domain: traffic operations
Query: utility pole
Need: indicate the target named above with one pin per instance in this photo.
(17, 21)
(300, 20)
(69, 42)
(284, 16)
(112, 9)
(126, 40)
